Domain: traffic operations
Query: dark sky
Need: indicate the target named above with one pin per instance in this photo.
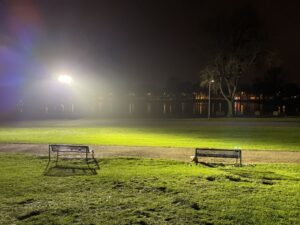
(133, 41)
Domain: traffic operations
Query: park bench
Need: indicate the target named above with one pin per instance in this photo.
(219, 153)
(62, 150)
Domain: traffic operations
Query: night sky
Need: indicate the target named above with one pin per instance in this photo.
(132, 42)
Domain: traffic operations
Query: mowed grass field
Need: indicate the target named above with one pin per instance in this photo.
(147, 191)
(254, 134)
(150, 191)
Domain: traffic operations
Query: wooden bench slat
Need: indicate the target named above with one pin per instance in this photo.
(70, 148)
(219, 156)
(218, 153)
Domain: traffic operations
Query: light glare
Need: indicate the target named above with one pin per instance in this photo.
(66, 79)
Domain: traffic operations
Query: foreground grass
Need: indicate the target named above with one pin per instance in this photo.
(148, 191)
(245, 137)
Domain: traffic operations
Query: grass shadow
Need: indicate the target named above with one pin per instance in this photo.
(70, 168)
(213, 165)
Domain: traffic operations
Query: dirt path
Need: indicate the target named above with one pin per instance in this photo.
(182, 154)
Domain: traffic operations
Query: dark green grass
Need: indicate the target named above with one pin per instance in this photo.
(147, 191)
(243, 136)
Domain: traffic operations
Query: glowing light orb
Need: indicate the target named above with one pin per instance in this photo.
(65, 79)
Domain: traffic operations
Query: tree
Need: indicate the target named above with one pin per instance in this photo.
(238, 45)
(271, 83)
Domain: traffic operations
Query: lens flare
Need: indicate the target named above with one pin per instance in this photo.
(66, 79)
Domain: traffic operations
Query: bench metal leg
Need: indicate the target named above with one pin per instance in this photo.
(241, 158)
(56, 158)
(195, 159)
(49, 155)
(96, 162)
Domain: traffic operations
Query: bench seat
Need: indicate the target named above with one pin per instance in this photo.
(73, 149)
(218, 153)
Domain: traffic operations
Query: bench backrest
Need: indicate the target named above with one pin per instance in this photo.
(223, 153)
(70, 148)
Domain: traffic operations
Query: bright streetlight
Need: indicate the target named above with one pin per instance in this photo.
(209, 83)
(65, 79)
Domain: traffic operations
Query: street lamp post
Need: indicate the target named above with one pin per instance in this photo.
(209, 83)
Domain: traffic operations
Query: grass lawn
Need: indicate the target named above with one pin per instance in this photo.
(246, 134)
(147, 191)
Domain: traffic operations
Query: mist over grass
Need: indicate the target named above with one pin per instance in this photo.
(254, 134)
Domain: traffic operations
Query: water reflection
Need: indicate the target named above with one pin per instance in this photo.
(148, 107)
(199, 108)
(183, 107)
(131, 108)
